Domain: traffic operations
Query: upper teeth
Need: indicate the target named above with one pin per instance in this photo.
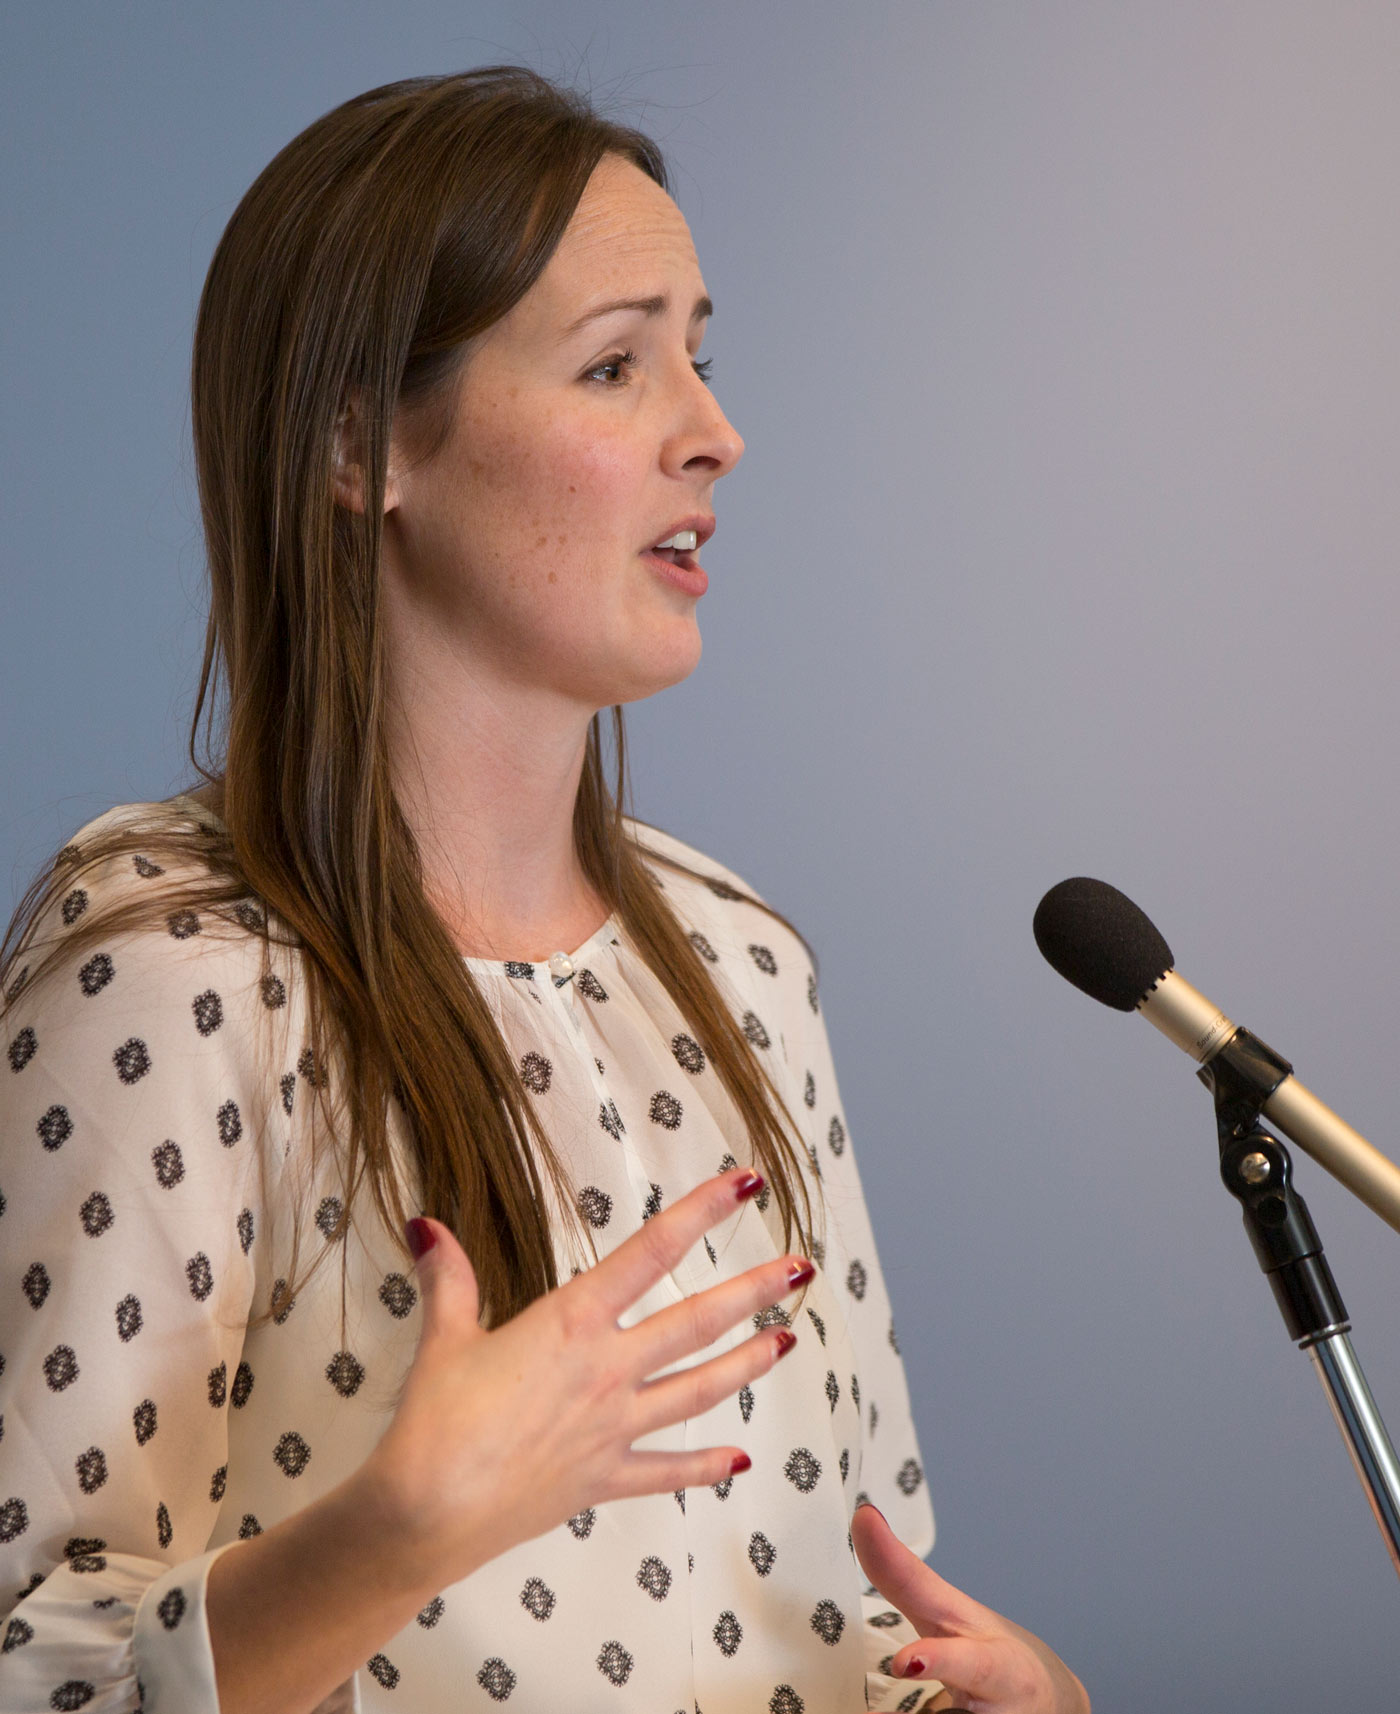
(685, 540)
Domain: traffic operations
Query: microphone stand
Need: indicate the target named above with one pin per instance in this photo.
(1258, 1171)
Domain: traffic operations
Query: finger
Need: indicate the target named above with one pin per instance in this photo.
(970, 1666)
(445, 1277)
(670, 1472)
(927, 1600)
(693, 1391)
(698, 1321)
(636, 1265)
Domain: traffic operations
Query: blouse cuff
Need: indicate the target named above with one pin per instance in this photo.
(112, 1632)
(886, 1632)
(170, 1639)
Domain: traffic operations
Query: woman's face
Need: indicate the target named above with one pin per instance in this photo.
(518, 552)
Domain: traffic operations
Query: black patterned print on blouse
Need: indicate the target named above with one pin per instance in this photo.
(96, 974)
(665, 1110)
(230, 1123)
(208, 1009)
(496, 1678)
(754, 1031)
(54, 1128)
(654, 1577)
(595, 1206)
(383, 1670)
(96, 1214)
(728, 1633)
(132, 1060)
(688, 1054)
(169, 1164)
(536, 1072)
(537, 1598)
(828, 1621)
(291, 1454)
(614, 1663)
(802, 1469)
(398, 1295)
(345, 1373)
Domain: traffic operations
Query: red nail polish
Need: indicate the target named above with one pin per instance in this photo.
(799, 1273)
(742, 1461)
(421, 1237)
(749, 1184)
(914, 1668)
(786, 1341)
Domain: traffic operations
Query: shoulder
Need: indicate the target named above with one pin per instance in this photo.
(139, 927)
(662, 852)
(731, 919)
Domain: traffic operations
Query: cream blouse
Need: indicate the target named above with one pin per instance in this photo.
(153, 1157)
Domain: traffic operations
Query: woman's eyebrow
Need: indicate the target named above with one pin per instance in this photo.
(648, 306)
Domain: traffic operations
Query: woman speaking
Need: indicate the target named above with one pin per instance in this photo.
(437, 1271)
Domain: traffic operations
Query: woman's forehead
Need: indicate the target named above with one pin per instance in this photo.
(627, 238)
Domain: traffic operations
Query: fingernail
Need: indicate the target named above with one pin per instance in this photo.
(421, 1237)
(786, 1341)
(799, 1273)
(914, 1668)
(747, 1185)
(742, 1461)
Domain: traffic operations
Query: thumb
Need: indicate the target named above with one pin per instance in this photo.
(927, 1600)
(445, 1276)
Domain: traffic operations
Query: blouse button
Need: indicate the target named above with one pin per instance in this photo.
(561, 965)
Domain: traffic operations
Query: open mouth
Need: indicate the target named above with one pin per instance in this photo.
(680, 568)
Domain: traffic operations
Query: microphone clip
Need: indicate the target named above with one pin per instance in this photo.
(1241, 1076)
(1257, 1170)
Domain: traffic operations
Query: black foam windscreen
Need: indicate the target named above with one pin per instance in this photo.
(1097, 938)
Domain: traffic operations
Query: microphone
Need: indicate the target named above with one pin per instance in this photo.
(1099, 940)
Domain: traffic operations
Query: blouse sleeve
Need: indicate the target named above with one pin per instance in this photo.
(137, 1124)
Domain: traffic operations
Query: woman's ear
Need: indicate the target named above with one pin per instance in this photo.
(348, 477)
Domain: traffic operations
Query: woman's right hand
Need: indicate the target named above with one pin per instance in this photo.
(502, 1435)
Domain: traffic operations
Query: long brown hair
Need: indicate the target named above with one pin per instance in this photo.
(361, 261)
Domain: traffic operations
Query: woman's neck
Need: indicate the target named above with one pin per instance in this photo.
(490, 799)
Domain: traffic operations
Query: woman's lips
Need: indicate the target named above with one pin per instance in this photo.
(681, 570)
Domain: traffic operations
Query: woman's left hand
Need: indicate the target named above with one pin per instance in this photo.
(988, 1664)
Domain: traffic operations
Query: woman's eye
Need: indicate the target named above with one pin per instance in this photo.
(622, 361)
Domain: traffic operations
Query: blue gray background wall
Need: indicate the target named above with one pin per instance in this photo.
(1064, 341)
